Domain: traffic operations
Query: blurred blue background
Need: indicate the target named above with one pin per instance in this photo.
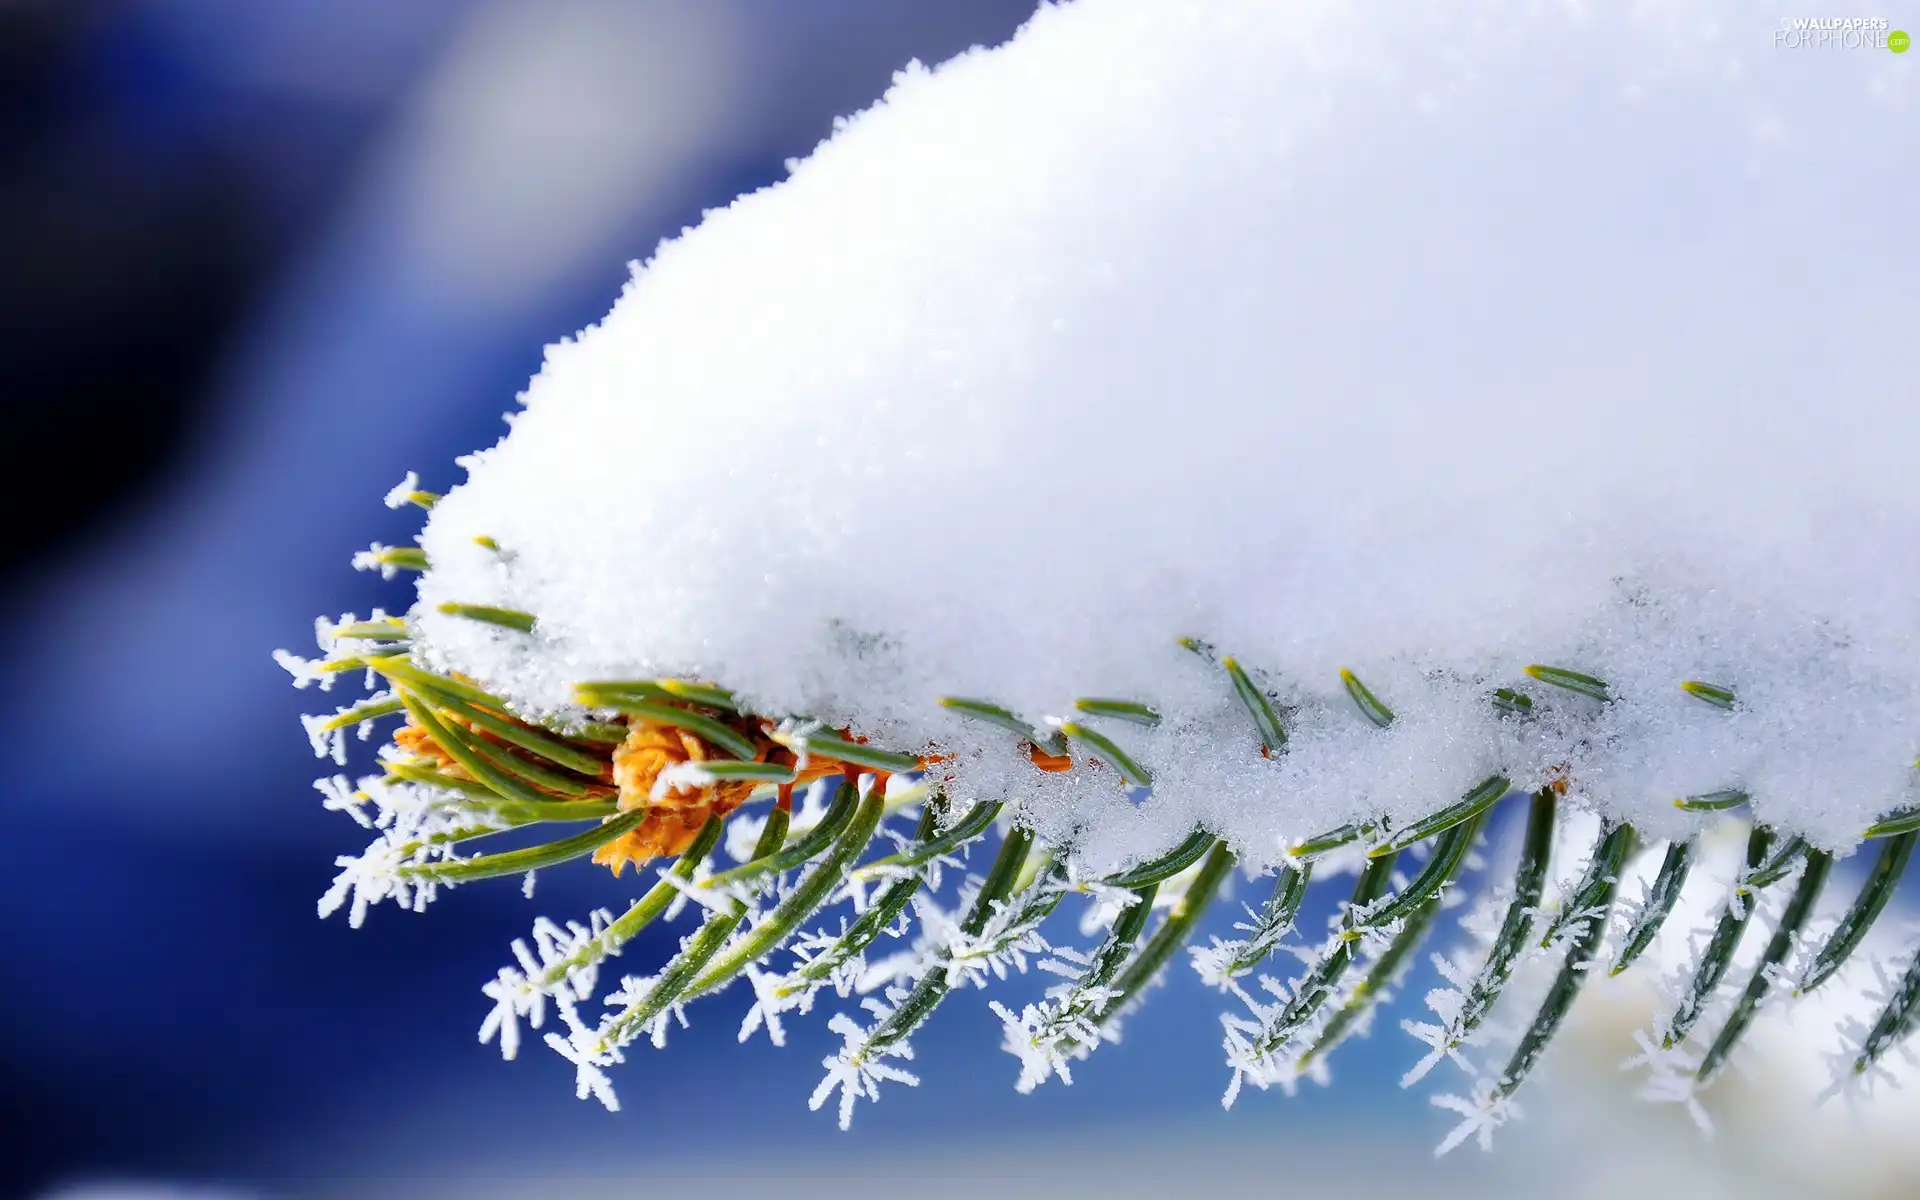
(258, 259)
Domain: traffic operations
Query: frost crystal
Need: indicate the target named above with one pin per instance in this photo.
(1671, 1078)
(403, 492)
(1009, 938)
(328, 741)
(1444, 1041)
(1045, 1037)
(1481, 1113)
(590, 1053)
(859, 1068)
(375, 875)
(375, 558)
(514, 998)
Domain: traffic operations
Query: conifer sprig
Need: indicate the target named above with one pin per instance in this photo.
(662, 768)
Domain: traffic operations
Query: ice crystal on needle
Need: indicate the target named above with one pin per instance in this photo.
(377, 873)
(1191, 441)
(858, 1069)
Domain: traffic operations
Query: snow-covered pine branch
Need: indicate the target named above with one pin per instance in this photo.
(1055, 451)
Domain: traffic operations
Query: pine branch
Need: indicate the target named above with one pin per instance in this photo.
(660, 766)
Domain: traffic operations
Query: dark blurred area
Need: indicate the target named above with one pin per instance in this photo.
(126, 249)
(155, 183)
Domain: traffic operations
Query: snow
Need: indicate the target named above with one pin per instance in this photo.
(1429, 345)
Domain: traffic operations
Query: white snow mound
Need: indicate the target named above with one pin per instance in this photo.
(1429, 342)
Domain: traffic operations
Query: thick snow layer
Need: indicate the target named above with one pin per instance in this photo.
(1429, 342)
